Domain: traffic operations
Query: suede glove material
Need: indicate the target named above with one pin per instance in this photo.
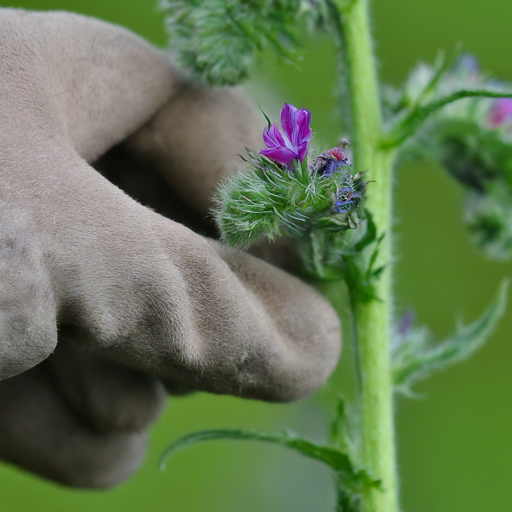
(103, 301)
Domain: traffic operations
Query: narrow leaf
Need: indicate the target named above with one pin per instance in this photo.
(269, 124)
(370, 235)
(414, 360)
(339, 427)
(440, 67)
(353, 479)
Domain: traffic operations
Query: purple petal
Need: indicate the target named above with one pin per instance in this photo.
(338, 206)
(289, 144)
(292, 142)
(289, 122)
(328, 167)
(273, 137)
(304, 120)
(302, 150)
(280, 155)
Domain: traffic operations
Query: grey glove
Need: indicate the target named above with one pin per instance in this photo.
(139, 300)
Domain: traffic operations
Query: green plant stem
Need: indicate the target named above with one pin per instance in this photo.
(372, 318)
(373, 328)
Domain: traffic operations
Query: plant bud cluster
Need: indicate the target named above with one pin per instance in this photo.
(282, 191)
(472, 139)
(215, 41)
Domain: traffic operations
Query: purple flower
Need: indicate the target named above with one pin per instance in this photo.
(345, 200)
(332, 160)
(291, 145)
(501, 112)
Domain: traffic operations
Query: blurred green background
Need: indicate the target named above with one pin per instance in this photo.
(455, 450)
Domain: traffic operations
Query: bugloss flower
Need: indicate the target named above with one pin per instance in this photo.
(283, 192)
(291, 145)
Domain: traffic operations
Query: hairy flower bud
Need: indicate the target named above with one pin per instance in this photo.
(332, 160)
(488, 216)
(282, 192)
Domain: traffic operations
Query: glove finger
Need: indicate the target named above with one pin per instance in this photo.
(144, 183)
(28, 309)
(106, 396)
(87, 82)
(40, 434)
(216, 319)
(193, 142)
(195, 139)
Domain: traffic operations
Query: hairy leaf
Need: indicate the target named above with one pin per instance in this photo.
(352, 480)
(338, 431)
(414, 359)
(343, 431)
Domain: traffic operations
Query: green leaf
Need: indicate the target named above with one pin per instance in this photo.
(343, 431)
(440, 68)
(369, 272)
(330, 456)
(346, 501)
(353, 480)
(370, 234)
(413, 359)
(339, 429)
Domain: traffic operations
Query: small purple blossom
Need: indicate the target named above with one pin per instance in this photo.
(501, 112)
(345, 200)
(291, 145)
(332, 160)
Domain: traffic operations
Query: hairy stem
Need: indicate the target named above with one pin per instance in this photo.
(372, 318)
(420, 113)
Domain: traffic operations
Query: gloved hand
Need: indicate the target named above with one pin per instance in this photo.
(102, 300)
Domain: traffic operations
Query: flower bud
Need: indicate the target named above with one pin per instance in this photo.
(488, 217)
